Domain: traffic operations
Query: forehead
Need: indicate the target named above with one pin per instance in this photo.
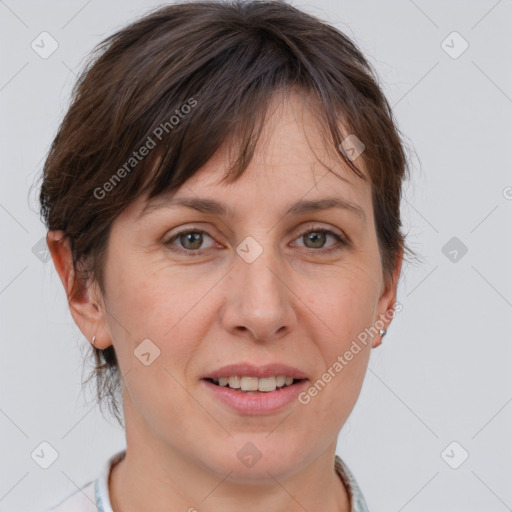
(293, 165)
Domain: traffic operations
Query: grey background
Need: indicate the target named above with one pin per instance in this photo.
(443, 371)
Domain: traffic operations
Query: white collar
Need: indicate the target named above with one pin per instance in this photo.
(101, 486)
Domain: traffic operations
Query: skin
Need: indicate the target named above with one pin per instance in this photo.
(294, 304)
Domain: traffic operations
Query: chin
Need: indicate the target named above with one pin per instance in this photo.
(250, 464)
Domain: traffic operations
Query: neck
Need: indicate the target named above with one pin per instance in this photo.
(157, 475)
(139, 482)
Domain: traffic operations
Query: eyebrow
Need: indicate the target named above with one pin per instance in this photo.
(217, 208)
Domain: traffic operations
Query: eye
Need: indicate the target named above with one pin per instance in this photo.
(317, 237)
(190, 240)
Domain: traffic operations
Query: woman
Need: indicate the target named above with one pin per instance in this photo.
(223, 208)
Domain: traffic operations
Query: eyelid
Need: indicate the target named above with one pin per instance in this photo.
(302, 230)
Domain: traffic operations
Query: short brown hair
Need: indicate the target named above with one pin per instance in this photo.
(204, 73)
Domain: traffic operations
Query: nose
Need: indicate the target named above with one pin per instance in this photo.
(259, 301)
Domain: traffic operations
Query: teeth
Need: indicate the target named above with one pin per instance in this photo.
(267, 384)
(234, 382)
(246, 384)
(249, 383)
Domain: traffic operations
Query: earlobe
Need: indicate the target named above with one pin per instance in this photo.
(89, 318)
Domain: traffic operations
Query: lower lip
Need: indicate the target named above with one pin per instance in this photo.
(262, 403)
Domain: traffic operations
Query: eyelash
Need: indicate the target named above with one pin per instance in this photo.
(342, 243)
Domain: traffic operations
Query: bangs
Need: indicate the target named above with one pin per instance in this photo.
(224, 103)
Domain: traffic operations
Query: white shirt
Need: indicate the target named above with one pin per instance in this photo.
(94, 496)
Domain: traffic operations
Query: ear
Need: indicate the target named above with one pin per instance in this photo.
(387, 300)
(84, 298)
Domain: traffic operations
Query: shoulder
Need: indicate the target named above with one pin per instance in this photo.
(82, 500)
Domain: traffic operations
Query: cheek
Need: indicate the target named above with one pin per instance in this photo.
(347, 307)
(168, 307)
(337, 386)
(170, 313)
(151, 296)
(349, 317)
(347, 304)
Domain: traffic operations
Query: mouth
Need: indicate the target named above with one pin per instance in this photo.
(253, 395)
(252, 389)
(254, 385)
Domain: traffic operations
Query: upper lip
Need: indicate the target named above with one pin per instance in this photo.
(250, 370)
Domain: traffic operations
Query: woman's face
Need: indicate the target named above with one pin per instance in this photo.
(246, 287)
